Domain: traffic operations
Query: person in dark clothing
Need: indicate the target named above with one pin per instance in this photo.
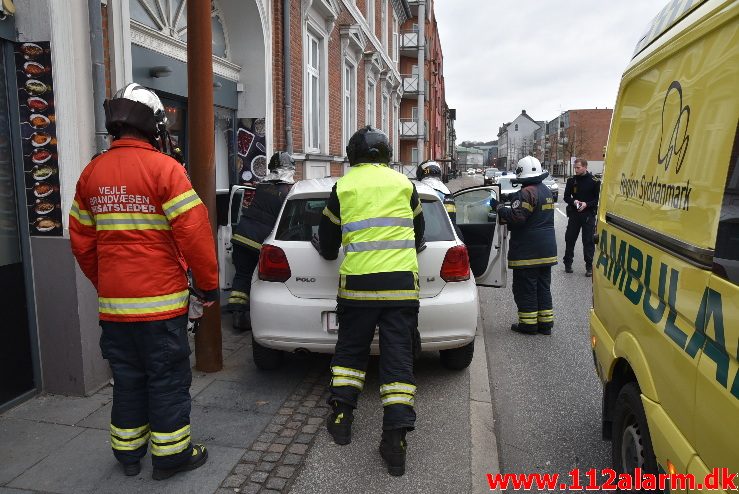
(375, 213)
(255, 225)
(581, 196)
(532, 249)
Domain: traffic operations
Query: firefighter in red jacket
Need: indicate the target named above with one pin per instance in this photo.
(136, 224)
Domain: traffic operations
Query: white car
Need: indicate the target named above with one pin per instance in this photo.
(471, 171)
(293, 294)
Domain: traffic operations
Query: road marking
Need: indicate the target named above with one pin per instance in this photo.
(560, 212)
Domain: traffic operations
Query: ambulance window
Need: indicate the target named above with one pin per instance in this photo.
(726, 256)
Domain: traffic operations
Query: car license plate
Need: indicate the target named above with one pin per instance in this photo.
(332, 322)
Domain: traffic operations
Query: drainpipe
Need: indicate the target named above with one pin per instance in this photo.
(287, 90)
(422, 81)
(95, 16)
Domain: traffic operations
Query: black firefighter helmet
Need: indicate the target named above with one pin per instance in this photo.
(138, 107)
(428, 169)
(369, 145)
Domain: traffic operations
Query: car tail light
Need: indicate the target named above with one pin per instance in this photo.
(273, 265)
(456, 265)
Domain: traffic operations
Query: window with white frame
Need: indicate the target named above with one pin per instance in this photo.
(396, 132)
(371, 99)
(396, 40)
(385, 116)
(313, 92)
(350, 99)
(371, 15)
(383, 24)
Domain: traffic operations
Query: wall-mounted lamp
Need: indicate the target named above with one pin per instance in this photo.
(217, 85)
(160, 71)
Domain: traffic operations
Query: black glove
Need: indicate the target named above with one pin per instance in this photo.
(316, 243)
(421, 247)
(494, 203)
(210, 295)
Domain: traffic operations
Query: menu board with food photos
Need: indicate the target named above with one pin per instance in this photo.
(38, 133)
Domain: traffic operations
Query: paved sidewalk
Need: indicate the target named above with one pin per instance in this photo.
(265, 433)
(60, 444)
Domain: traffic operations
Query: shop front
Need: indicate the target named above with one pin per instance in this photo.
(19, 374)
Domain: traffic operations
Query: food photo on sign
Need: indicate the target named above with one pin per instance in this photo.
(38, 134)
(251, 145)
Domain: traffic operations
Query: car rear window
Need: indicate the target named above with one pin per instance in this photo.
(301, 217)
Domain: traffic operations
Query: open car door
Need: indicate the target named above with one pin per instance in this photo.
(484, 237)
(239, 199)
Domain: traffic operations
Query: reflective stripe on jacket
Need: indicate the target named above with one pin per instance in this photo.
(379, 216)
(530, 220)
(135, 225)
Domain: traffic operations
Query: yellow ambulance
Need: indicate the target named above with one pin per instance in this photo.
(665, 318)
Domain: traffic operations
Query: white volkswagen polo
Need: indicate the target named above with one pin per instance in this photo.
(293, 294)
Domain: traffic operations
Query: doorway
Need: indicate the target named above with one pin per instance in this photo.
(16, 355)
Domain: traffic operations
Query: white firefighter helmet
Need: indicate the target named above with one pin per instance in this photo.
(528, 168)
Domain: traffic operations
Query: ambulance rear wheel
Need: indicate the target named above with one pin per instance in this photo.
(265, 358)
(631, 445)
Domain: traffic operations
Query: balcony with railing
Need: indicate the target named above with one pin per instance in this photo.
(409, 41)
(409, 128)
(411, 84)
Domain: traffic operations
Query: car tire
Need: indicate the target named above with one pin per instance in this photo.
(631, 444)
(265, 358)
(458, 358)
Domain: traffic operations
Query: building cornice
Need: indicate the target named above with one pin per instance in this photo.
(174, 48)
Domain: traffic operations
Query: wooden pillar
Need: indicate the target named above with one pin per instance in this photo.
(201, 158)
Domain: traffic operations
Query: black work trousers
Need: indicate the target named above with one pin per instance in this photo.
(151, 390)
(533, 297)
(577, 222)
(397, 327)
(245, 262)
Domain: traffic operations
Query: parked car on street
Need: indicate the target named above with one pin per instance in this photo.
(552, 186)
(490, 175)
(471, 171)
(507, 187)
(293, 295)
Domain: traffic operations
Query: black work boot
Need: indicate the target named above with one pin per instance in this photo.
(545, 330)
(197, 459)
(589, 271)
(132, 469)
(568, 268)
(339, 423)
(393, 449)
(241, 320)
(524, 328)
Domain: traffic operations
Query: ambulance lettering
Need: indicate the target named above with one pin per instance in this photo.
(624, 265)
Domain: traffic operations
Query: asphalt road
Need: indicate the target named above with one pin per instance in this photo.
(547, 398)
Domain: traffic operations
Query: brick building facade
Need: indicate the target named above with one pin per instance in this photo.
(575, 134)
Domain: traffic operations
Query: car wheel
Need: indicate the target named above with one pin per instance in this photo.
(265, 358)
(458, 358)
(631, 445)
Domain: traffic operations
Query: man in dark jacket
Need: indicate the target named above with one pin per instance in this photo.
(256, 223)
(532, 249)
(581, 196)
